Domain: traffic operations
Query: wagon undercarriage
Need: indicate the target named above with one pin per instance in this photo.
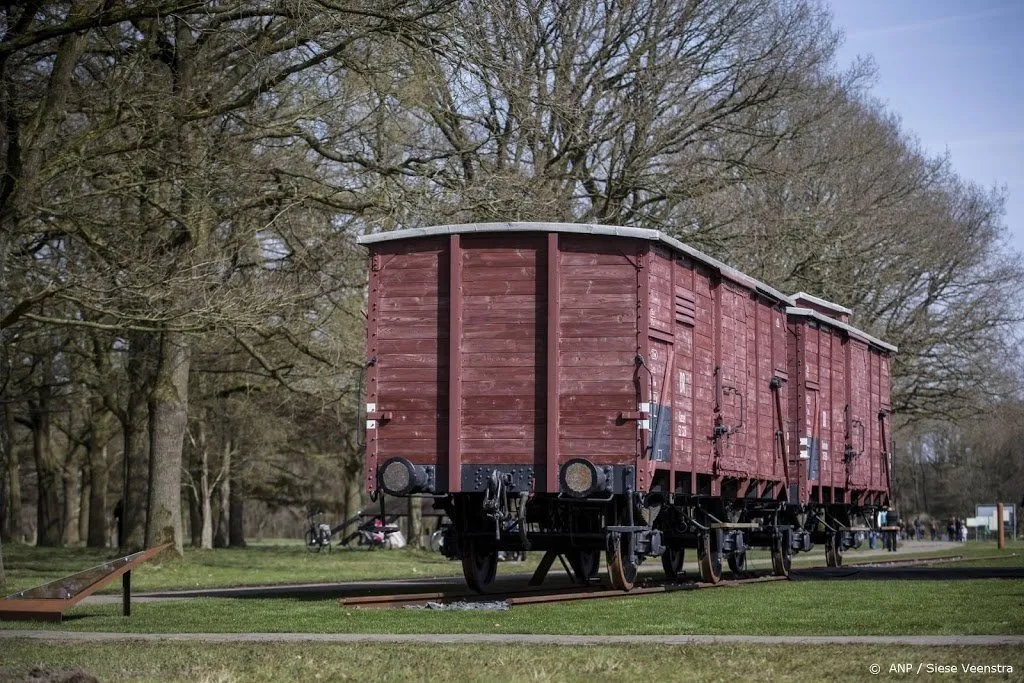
(630, 528)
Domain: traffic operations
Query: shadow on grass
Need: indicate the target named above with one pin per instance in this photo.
(909, 573)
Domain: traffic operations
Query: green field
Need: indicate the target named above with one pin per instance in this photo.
(260, 564)
(292, 662)
(287, 562)
(801, 607)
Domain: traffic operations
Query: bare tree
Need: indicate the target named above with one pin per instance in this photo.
(854, 211)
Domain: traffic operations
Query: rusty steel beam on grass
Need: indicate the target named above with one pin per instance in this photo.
(50, 601)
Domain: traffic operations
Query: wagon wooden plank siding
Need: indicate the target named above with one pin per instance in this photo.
(407, 348)
(583, 388)
(843, 405)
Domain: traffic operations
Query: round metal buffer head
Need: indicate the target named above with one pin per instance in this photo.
(580, 478)
(399, 477)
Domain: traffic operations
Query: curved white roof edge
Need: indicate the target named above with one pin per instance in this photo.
(584, 229)
(850, 329)
(831, 305)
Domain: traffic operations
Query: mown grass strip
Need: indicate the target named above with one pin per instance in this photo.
(289, 563)
(308, 662)
(855, 606)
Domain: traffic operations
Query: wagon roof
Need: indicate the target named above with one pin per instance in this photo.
(586, 229)
(831, 305)
(849, 329)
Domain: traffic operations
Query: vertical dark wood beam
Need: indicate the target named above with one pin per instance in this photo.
(126, 594)
(762, 308)
(716, 343)
(372, 321)
(673, 373)
(848, 413)
(454, 363)
(552, 412)
(694, 444)
(643, 348)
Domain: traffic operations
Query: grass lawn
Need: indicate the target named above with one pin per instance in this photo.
(803, 607)
(259, 662)
(260, 564)
(282, 562)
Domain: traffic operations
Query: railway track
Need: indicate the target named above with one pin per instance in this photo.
(931, 560)
(535, 596)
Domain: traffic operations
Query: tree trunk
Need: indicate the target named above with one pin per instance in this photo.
(48, 508)
(168, 419)
(10, 524)
(6, 446)
(353, 496)
(99, 475)
(84, 502)
(195, 518)
(204, 490)
(220, 537)
(236, 507)
(16, 531)
(135, 466)
(71, 480)
(415, 522)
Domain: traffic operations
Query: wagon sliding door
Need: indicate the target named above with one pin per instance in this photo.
(859, 464)
(658, 381)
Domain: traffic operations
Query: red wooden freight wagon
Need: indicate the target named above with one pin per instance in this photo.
(579, 388)
(841, 405)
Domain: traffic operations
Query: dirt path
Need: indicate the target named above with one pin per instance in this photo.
(507, 639)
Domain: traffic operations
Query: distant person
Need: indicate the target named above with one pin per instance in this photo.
(119, 522)
(918, 529)
(891, 539)
(951, 529)
(963, 533)
(959, 528)
(895, 524)
(932, 530)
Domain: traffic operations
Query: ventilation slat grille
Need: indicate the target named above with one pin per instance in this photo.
(686, 309)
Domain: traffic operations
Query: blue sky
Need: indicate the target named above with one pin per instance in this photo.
(954, 71)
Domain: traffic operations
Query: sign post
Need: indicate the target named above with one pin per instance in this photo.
(1000, 527)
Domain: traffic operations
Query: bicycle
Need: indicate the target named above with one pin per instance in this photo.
(318, 535)
(436, 542)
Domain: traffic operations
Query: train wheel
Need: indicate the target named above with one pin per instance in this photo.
(585, 564)
(622, 566)
(834, 551)
(672, 563)
(782, 557)
(709, 557)
(738, 561)
(479, 567)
